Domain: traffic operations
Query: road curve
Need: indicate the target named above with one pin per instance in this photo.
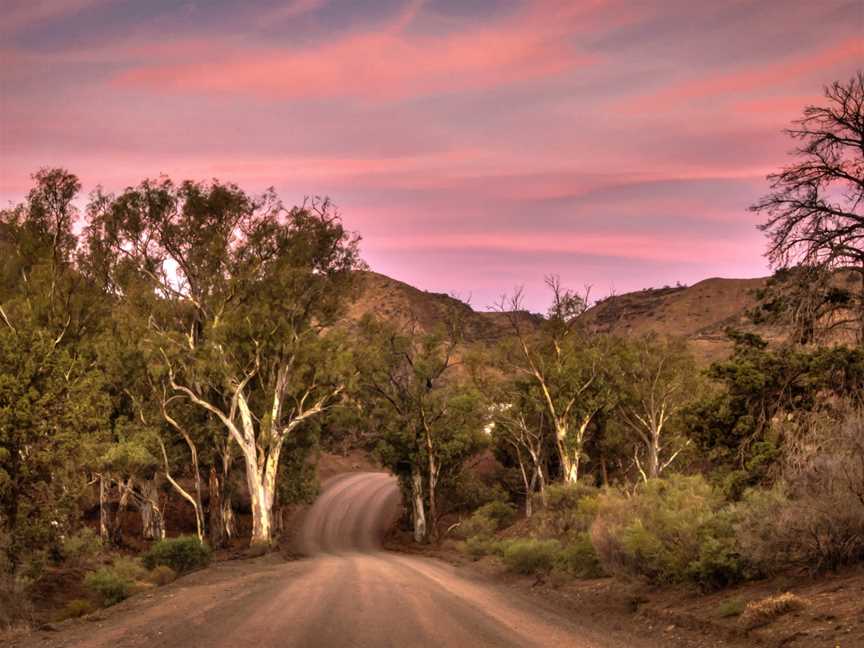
(347, 592)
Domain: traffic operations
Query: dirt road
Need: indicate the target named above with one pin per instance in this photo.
(347, 592)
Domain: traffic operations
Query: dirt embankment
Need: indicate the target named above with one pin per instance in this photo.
(831, 612)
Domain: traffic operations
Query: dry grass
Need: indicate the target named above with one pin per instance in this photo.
(762, 612)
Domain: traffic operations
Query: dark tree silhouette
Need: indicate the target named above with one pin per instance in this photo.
(815, 210)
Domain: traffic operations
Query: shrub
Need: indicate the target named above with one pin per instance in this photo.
(75, 608)
(467, 492)
(673, 531)
(570, 510)
(731, 607)
(488, 519)
(578, 558)
(529, 556)
(814, 517)
(108, 585)
(129, 568)
(162, 575)
(180, 554)
(760, 613)
(480, 545)
(81, 547)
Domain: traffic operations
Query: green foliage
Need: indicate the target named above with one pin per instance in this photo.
(570, 510)
(480, 545)
(734, 426)
(162, 575)
(578, 558)
(487, 520)
(468, 492)
(180, 554)
(109, 586)
(673, 531)
(81, 547)
(129, 568)
(530, 556)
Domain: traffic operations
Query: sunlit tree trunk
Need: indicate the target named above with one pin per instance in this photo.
(418, 512)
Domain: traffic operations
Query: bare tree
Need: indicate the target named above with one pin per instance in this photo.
(815, 208)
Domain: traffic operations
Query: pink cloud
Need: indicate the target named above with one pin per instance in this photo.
(753, 79)
(381, 63)
(644, 247)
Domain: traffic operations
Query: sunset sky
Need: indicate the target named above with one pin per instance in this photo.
(475, 144)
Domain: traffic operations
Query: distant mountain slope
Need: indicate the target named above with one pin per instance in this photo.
(701, 313)
(407, 306)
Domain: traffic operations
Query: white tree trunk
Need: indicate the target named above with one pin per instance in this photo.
(417, 504)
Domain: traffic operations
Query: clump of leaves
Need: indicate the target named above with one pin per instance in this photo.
(81, 547)
(109, 586)
(530, 556)
(181, 554)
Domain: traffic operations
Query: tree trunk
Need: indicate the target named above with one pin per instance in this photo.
(418, 508)
(104, 513)
(654, 456)
(261, 481)
(529, 495)
(216, 532)
(152, 521)
(125, 490)
(433, 504)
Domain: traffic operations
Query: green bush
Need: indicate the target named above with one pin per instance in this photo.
(530, 556)
(467, 492)
(570, 510)
(180, 554)
(578, 558)
(162, 575)
(674, 530)
(480, 545)
(108, 585)
(488, 519)
(129, 568)
(75, 608)
(81, 547)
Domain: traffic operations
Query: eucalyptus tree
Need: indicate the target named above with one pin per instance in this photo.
(53, 408)
(657, 379)
(517, 420)
(427, 421)
(239, 295)
(564, 363)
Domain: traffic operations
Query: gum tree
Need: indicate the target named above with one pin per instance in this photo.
(239, 294)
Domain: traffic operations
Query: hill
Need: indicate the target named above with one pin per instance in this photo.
(701, 313)
(408, 306)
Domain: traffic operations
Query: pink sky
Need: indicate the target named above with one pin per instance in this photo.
(475, 144)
